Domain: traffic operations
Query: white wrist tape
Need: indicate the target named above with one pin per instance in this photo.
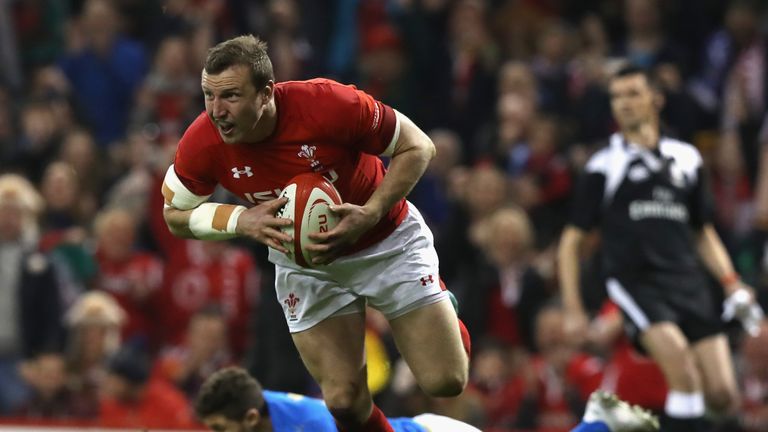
(211, 221)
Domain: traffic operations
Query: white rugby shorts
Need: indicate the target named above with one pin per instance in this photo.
(394, 276)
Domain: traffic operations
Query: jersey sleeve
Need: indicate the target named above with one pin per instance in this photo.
(586, 202)
(363, 122)
(701, 206)
(192, 165)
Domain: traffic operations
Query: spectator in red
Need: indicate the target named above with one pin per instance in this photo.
(205, 350)
(560, 378)
(133, 278)
(204, 273)
(53, 397)
(754, 382)
(518, 290)
(132, 399)
(494, 378)
(632, 376)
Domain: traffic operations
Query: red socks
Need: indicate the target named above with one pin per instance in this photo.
(377, 422)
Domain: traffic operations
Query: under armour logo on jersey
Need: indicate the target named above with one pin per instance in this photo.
(236, 173)
(307, 151)
(426, 280)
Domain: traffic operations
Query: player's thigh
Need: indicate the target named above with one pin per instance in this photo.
(668, 346)
(436, 423)
(429, 340)
(333, 350)
(713, 357)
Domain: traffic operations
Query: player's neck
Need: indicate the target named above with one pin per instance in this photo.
(266, 124)
(645, 135)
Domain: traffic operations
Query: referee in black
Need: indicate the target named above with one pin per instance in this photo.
(647, 195)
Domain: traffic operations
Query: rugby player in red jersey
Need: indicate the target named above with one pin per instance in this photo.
(253, 138)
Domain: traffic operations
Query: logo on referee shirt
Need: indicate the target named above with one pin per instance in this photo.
(247, 171)
(426, 279)
(291, 302)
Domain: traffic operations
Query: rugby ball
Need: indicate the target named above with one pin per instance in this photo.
(309, 197)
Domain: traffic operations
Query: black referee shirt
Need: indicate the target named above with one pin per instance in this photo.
(647, 204)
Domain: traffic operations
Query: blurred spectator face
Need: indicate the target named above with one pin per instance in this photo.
(119, 388)
(448, 152)
(543, 137)
(100, 23)
(486, 190)
(59, 186)
(96, 319)
(633, 101)
(284, 15)
(490, 368)
(553, 44)
(11, 220)
(468, 29)
(510, 236)
(517, 78)
(50, 374)
(172, 58)
(115, 234)
(19, 205)
(382, 59)
(741, 22)
(514, 114)
(79, 151)
(207, 335)
(38, 125)
(641, 16)
(550, 338)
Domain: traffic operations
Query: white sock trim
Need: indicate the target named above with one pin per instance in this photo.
(684, 405)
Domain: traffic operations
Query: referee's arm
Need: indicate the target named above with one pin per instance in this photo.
(584, 215)
(716, 258)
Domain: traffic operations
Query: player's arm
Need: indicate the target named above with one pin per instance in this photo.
(189, 215)
(411, 151)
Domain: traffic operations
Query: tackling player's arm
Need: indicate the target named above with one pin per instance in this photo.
(189, 215)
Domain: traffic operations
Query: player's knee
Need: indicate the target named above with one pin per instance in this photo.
(446, 384)
(723, 400)
(343, 398)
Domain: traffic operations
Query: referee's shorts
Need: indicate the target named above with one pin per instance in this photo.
(690, 301)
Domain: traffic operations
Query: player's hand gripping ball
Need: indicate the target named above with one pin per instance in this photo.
(309, 196)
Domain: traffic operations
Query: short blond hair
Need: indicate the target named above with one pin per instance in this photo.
(17, 190)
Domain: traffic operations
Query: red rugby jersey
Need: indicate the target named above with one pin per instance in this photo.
(322, 126)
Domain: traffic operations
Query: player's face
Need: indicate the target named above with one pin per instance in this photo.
(233, 103)
(633, 101)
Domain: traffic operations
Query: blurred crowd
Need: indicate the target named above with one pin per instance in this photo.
(106, 318)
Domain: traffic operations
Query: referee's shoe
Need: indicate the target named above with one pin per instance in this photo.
(605, 412)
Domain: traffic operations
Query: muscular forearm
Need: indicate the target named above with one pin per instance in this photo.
(178, 222)
(715, 256)
(568, 267)
(412, 155)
